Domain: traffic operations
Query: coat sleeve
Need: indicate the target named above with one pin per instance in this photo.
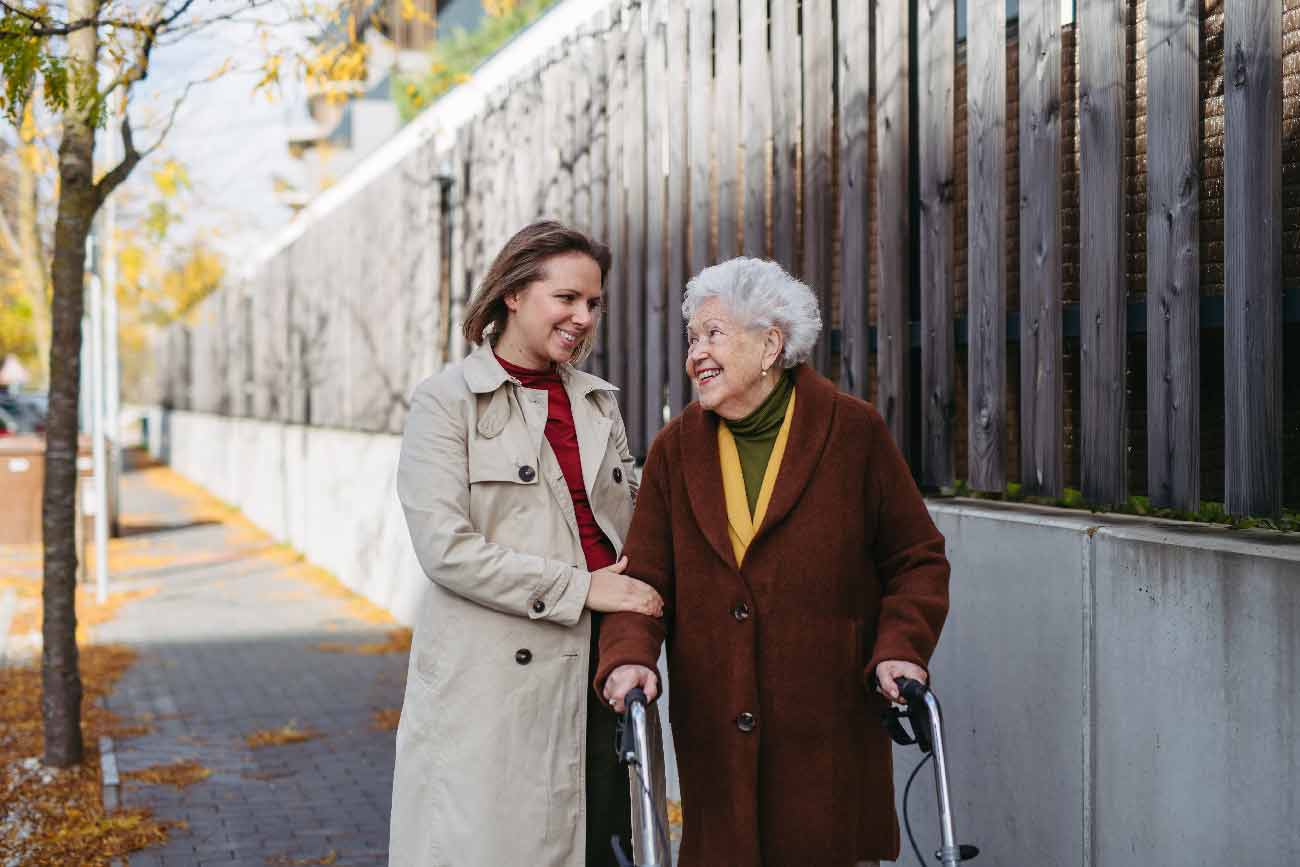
(627, 638)
(908, 551)
(433, 487)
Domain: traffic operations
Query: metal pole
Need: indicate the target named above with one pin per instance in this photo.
(950, 854)
(112, 382)
(649, 840)
(97, 436)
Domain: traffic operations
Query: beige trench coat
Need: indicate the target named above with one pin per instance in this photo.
(491, 745)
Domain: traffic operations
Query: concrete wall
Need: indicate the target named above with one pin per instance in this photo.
(1117, 692)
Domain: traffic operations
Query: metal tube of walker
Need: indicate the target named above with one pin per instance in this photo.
(647, 838)
(950, 854)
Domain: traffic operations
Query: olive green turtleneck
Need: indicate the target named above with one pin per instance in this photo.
(755, 434)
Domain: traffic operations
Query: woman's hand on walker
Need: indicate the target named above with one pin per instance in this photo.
(611, 591)
(622, 679)
(894, 668)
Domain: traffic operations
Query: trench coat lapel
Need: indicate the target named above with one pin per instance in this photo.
(703, 476)
(592, 426)
(809, 431)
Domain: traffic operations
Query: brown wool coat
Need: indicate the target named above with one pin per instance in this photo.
(847, 570)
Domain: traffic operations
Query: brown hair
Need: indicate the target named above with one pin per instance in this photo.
(521, 262)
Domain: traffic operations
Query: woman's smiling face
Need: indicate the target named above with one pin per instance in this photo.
(551, 318)
(726, 360)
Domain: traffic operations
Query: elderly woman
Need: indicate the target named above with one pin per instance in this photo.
(799, 569)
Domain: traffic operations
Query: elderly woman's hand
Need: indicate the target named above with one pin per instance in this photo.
(890, 669)
(621, 681)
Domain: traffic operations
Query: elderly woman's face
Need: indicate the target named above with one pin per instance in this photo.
(726, 359)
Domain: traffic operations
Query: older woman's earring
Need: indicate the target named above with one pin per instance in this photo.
(765, 371)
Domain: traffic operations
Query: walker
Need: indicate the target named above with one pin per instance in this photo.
(634, 751)
(927, 733)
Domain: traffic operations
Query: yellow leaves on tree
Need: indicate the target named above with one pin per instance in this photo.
(499, 8)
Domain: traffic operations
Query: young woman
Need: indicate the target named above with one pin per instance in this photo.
(518, 487)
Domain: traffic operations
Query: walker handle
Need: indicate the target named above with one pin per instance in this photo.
(635, 695)
(913, 691)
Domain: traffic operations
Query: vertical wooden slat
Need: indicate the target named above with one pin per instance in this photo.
(678, 205)
(755, 123)
(1252, 248)
(1041, 346)
(855, 79)
(786, 116)
(986, 135)
(726, 117)
(598, 144)
(893, 222)
(656, 336)
(699, 98)
(615, 290)
(1102, 249)
(581, 73)
(1173, 256)
(935, 26)
(818, 144)
(564, 135)
(634, 175)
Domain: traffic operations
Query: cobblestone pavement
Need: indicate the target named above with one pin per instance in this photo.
(229, 645)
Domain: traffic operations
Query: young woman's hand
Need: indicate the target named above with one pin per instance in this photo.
(611, 590)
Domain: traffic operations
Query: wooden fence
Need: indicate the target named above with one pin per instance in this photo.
(1052, 251)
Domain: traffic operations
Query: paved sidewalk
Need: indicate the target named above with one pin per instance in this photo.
(229, 645)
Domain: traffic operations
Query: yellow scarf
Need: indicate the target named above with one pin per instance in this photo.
(741, 526)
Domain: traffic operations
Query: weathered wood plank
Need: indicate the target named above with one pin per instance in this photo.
(699, 98)
(634, 276)
(1102, 255)
(854, 38)
(656, 200)
(598, 146)
(726, 119)
(787, 115)
(615, 288)
(819, 143)
(755, 123)
(679, 392)
(935, 26)
(581, 82)
(1041, 346)
(893, 194)
(1252, 247)
(986, 136)
(1173, 256)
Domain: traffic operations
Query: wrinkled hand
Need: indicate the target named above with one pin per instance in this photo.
(611, 591)
(621, 681)
(890, 669)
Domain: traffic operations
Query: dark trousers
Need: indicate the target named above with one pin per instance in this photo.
(609, 804)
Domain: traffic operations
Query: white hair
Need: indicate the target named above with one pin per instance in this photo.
(763, 295)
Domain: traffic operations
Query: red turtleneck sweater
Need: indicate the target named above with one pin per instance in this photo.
(563, 437)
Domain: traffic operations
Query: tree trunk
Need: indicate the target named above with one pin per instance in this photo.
(61, 679)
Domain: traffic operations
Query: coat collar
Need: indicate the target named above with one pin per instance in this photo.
(484, 374)
(809, 432)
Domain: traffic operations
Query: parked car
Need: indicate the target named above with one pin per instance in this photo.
(26, 411)
(8, 424)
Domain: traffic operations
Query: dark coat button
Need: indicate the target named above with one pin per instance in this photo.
(746, 722)
(618, 476)
(740, 612)
(523, 656)
(527, 473)
(539, 606)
